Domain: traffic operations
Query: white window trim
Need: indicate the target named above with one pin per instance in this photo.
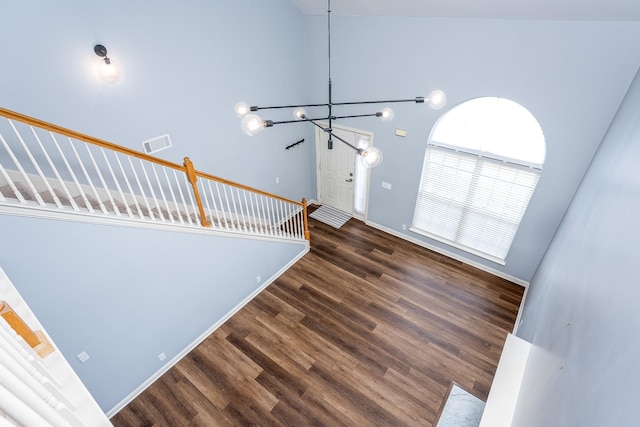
(491, 158)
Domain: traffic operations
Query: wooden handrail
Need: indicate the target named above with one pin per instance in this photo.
(86, 138)
(244, 187)
(305, 219)
(187, 167)
(111, 146)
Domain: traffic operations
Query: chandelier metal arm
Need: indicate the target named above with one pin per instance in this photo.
(333, 135)
(270, 123)
(417, 100)
(257, 108)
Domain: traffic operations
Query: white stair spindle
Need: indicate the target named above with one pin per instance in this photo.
(265, 209)
(35, 164)
(173, 196)
(104, 184)
(115, 180)
(55, 172)
(141, 188)
(184, 203)
(23, 174)
(164, 199)
(129, 188)
(243, 219)
(224, 215)
(81, 192)
(88, 178)
(215, 205)
(153, 193)
(12, 185)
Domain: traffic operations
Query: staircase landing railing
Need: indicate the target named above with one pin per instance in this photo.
(45, 167)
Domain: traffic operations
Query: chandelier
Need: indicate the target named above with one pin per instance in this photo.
(253, 124)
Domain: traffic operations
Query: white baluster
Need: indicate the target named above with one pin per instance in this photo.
(115, 180)
(5, 175)
(153, 193)
(24, 175)
(104, 184)
(73, 177)
(55, 172)
(129, 188)
(88, 178)
(173, 196)
(184, 203)
(226, 224)
(141, 188)
(164, 199)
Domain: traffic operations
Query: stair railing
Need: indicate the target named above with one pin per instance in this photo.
(51, 168)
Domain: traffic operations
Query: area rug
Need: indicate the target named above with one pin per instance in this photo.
(462, 409)
(330, 216)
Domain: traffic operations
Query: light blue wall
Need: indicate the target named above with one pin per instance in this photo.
(582, 310)
(126, 295)
(570, 75)
(184, 66)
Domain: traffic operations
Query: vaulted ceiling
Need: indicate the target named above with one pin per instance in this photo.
(616, 10)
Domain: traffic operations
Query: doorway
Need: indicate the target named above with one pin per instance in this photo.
(343, 183)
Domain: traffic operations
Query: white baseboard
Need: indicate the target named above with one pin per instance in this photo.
(444, 252)
(113, 411)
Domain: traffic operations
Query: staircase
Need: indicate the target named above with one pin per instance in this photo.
(50, 171)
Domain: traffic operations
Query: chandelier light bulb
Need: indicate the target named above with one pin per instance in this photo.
(299, 113)
(252, 124)
(371, 157)
(241, 109)
(386, 114)
(436, 99)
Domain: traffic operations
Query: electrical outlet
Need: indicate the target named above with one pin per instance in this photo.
(404, 226)
(277, 180)
(162, 356)
(386, 185)
(258, 279)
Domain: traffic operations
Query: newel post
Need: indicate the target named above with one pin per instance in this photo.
(191, 176)
(305, 220)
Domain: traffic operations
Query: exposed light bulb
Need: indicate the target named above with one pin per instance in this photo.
(252, 124)
(371, 157)
(108, 70)
(386, 114)
(436, 99)
(241, 109)
(299, 113)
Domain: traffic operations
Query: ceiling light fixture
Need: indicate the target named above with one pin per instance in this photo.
(107, 68)
(252, 124)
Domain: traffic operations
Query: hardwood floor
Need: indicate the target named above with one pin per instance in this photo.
(366, 329)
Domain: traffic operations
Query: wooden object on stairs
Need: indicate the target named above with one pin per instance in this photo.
(36, 339)
(305, 219)
(193, 179)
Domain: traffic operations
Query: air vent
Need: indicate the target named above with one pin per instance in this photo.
(156, 144)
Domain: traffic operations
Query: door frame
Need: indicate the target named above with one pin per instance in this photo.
(357, 181)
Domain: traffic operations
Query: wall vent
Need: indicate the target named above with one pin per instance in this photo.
(156, 144)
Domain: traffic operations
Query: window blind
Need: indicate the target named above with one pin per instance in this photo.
(472, 202)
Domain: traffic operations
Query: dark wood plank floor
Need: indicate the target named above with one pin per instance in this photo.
(366, 329)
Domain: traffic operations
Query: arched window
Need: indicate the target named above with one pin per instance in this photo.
(482, 163)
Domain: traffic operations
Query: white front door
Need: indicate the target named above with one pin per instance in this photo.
(336, 170)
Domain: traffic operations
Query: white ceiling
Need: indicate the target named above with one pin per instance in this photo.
(598, 10)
